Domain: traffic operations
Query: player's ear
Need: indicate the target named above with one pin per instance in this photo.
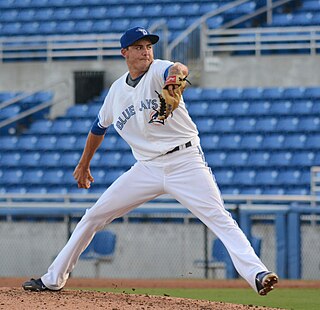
(124, 52)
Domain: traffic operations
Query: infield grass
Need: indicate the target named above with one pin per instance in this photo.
(292, 298)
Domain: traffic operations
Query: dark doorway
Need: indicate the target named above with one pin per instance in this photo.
(88, 84)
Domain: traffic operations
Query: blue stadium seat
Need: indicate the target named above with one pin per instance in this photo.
(133, 11)
(9, 112)
(309, 124)
(224, 176)
(265, 177)
(27, 142)
(272, 93)
(8, 143)
(251, 93)
(312, 142)
(280, 159)
(66, 27)
(30, 159)
(210, 94)
(229, 142)
(294, 141)
(79, 13)
(259, 108)
(41, 127)
(204, 125)
(215, 159)
(11, 159)
(244, 177)
(26, 15)
(251, 142)
(61, 14)
(84, 26)
(176, 23)
(43, 14)
(280, 107)
(62, 126)
(116, 11)
(11, 29)
(78, 111)
(47, 27)
(67, 143)
(258, 159)
(303, 159)
(301, 107)
(122, 145)
(193, 94)
(68, 178)
(312, 92)
(93, 110)
(288, 177)
(29, 28)
(189, 9)
(266, 124)
(231, 93)
(245, 124)
(238, 108)
(31, 177)
(224, 125)
(9, 15)
(99, 12)
(209, 142)
(69, 159)
(293, 92)
(119, 25)
(206, 7)
(110, 159)
(273, 141)
(217, 108)
(49, 159)
(198, 109)
(99, 176)
(11, 177)
(236, 159)
(53, 177)
(171, 9)
(46, 143)
(153, 10)
(287, 124)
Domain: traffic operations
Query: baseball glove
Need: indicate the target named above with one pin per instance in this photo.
(169, 103)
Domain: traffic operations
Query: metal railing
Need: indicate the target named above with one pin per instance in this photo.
(55, 87)
(259, 40)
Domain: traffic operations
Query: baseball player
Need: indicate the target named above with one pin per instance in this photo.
(146, 107)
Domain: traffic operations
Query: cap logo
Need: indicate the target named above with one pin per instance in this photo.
(143, 31)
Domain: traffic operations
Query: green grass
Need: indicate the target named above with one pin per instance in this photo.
(293, 298)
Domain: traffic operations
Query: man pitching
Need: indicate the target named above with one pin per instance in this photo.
(146, 107)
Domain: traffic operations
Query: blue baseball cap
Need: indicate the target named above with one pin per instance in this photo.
(137, 33)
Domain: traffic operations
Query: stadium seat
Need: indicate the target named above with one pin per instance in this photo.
(312, 142)
(244, 177)
(110, 159)
(27, 142)
(223, 125)
(294, 141)
(68, 143)
(62, 126)
(287, 124)
(224, 176)
(280, 107)
(53, 177)
(215, 159)
(288, 177)
(266, 124)
(280, 159)
(46, 143)
(32, 177)
(229, 142)
(204, 125)
(97, 12)
(237, 108)
(218, 108)
(11, 159)
(251, 142)
(258, 159)
(11, 177)
(198, 109)
(265, 177)
(210, 142)
(127, 160)
(49, 159)
(69, 159)
(273, 141)
(309, 124)
(236, 159)
(303, 159)
(30, 159)
(8, 143)
(258, 108)
(301, 107)
(244, 125)
(41, 127)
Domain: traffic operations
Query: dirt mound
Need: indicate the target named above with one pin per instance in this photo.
(17, 299)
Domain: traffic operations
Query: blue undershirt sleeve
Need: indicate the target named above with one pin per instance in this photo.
(97, 129)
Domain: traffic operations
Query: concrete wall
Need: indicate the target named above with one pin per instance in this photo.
(264, 71)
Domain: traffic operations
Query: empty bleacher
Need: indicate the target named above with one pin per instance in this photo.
(256, 140)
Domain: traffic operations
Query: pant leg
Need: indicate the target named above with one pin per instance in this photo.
(190, 181)
(136, 186)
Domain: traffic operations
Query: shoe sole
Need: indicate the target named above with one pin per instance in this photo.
(268, 282)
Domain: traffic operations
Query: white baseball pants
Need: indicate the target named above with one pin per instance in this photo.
(182, 174)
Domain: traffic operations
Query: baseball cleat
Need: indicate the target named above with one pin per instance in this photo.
(265, 281)
(35, 285)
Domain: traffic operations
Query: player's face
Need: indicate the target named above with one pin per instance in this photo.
(139, 56)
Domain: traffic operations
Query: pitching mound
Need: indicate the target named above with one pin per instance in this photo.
(17, 299)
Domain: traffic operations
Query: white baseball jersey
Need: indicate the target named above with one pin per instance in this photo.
(132, 111)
